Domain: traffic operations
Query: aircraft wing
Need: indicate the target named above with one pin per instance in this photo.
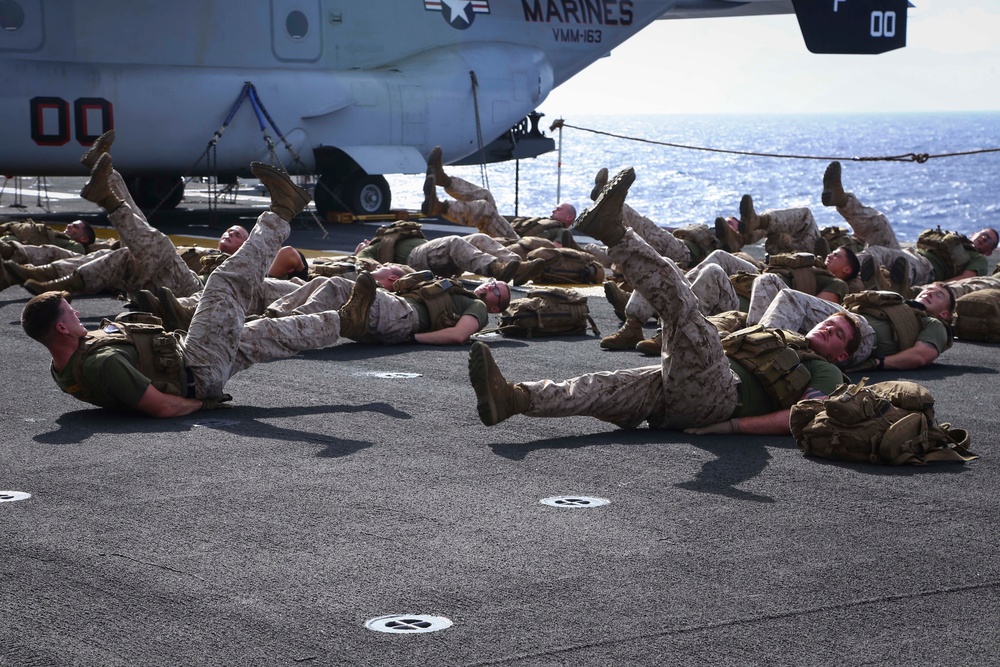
(828, 26)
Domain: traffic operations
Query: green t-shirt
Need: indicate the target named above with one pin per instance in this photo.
(401, 251)
(933, 332)
(463, 305)
(110, 375)
(755, 400)
(976, 263)
(825, 283)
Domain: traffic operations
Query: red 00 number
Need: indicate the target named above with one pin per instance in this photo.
(50, 120)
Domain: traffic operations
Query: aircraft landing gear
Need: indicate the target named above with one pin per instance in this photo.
(359, 193)
(150, 192)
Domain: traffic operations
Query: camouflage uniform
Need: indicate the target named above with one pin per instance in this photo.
(788, 230)
(797, 311)
(693, 385)
(921, 269)
(475, 207)
(708, 282)
(869, 224)
(219, 345)
(38, 255)
(263, 294)
(449, 255)
(973, 284)
(662, 240)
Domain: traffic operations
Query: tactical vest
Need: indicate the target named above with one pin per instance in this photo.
(30, 232)
(952, 249)
(700, 237)
(159, 357)
(743, 283)
(774, 356)
(568, 266)
(907, 322)
(977, 316)
(389, 235)
(838, 237)
(435, 295)
(543, 227)
(202, 260)
(799, 269)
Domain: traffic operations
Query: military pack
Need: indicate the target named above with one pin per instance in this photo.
(541, 227)
(388, 236)
(566, 266)
(889, 423)
(699, 239)
(977, 316)
(839, 237)
(435, 295)
(799, 269)
(549, 311)
(774, 356)
(952, 249)
(906, 321)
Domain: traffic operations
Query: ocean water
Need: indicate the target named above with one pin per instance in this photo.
(676, 186)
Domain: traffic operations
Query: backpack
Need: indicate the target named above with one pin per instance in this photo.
(887, 422)
(799, 268)
(568, 267)
(905, 320)
(952, 249)
(387, 236)
(550, 311)
(774, 357)
(839, 237)
(977, 316)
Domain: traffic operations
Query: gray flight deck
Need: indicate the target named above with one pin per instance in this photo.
(358, 482)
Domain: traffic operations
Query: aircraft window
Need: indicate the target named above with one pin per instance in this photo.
(11, 15)
(297, 25)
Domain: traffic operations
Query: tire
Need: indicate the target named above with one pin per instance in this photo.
(366, 194)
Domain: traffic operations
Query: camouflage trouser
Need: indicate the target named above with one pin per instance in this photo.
(797, 311)
(475, 207)
(869, 224)
(729, 262)
(37, 255)
(973, 284)
(392, 318)
(64, 267)
(444, 255)
(111, 270)
(263, 294)
(921, 269)
(765, 287)
(661, 240)
(709, 282)
(218, 344)
(788, 230)
(693, 384)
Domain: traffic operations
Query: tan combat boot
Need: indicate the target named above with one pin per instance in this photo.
(626, 337)
(750, 222)
(6, 280)
(146, 302)
(175, 315)
(496, 399)
(435, 168)
(502, 270)
(73, 283)
(603, 220)
(833, 188)
(530, 270)
(287, 199)
(600, 180)
(23, 272)
(6, 250)
(100, 146)
(730, 240)
(651, 347)
(431, 205)
(98, 188)
(617, 297)
(354, 313)
(567, 240)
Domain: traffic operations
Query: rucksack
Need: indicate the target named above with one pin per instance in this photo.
(799, 268)
(839, 237)
(565, 266)
(549, 311)
(890, 423)
(951, 248)
(977, 316)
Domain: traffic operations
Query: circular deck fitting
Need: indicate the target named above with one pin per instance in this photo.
(13, 496)
(403, 624)
(574, 501)
(389, 375)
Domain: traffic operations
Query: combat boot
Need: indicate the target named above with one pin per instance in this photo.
(496, 399)
(833, 188)
(98, 188)
(287, 199)
(502, 270)
(730, 240)
(23, 272)
(73, 283)
(6, 250)
(435, 168)
(626, 337)
(617, 297)
(651, 347)
(175, 315)
(530, 270)
(600, 180)
(868, 272)
(100, 146)
(750, 222)
(431, 205)
(567, 240)
(354, 313)
(603, 220)
(899, 277)
(145, 301)
(6, 280)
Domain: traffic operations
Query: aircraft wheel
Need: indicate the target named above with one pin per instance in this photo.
(366, 194)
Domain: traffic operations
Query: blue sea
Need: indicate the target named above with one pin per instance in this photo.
(676, 186)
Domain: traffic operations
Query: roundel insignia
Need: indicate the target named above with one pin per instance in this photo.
(458, 13)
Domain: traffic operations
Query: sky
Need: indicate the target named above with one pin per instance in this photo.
(760, 65)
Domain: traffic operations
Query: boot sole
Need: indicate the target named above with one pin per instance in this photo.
(479, 374)
(623, 179)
